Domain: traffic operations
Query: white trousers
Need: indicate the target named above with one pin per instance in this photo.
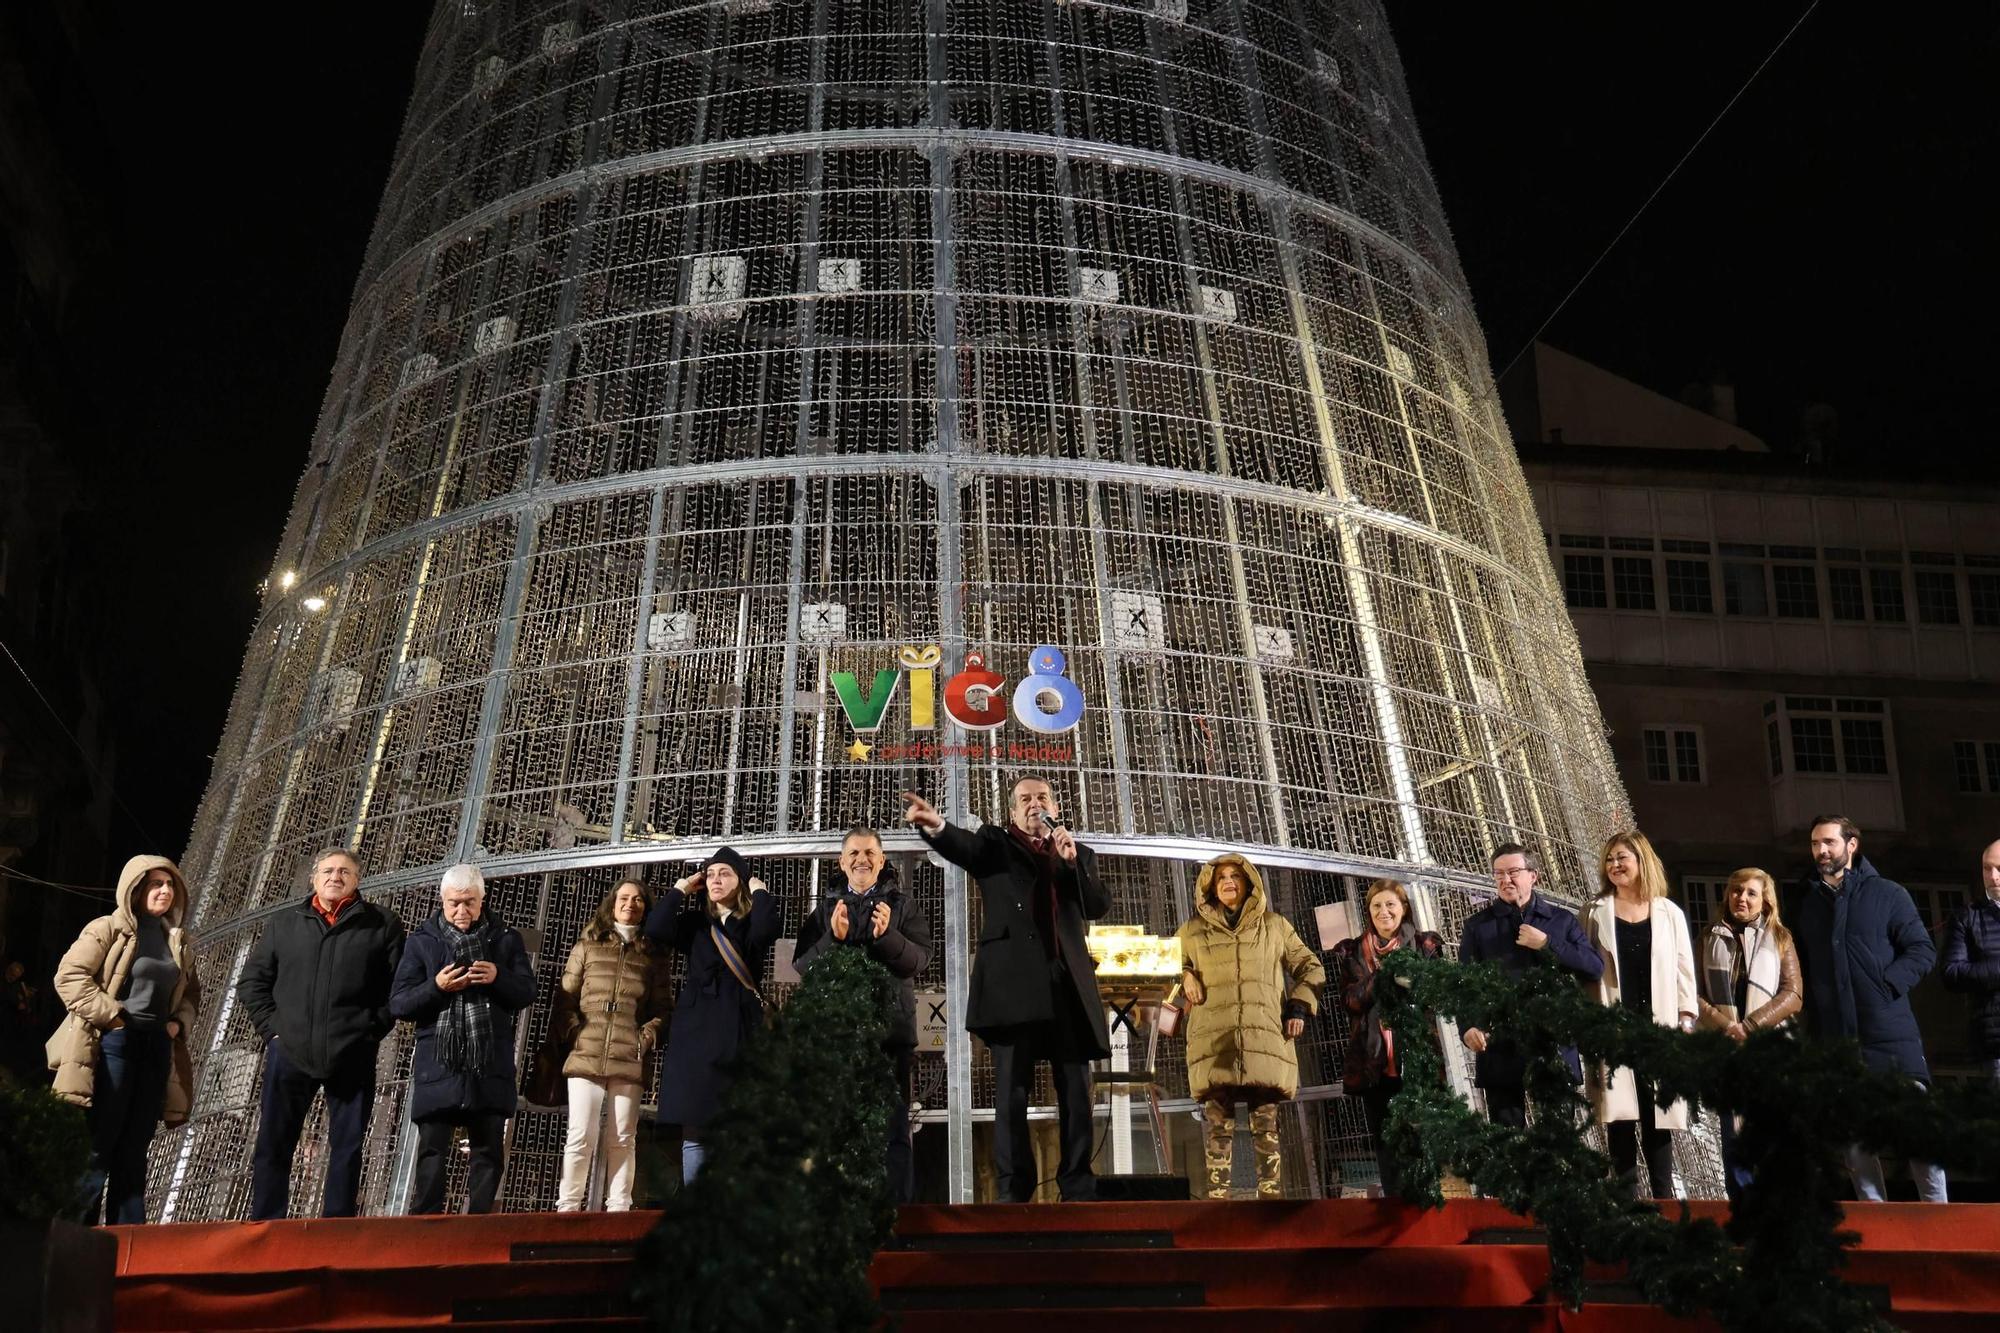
(587, 1097)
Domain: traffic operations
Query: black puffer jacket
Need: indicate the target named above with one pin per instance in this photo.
(903, 948)
(1972, 965)
(323, 990)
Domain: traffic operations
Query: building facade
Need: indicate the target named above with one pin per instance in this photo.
(716, 369)
(1771, 639)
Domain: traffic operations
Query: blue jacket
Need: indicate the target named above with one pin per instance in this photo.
(1489, 938)
(1860, 951)
(435, 1091)
(1972, 965)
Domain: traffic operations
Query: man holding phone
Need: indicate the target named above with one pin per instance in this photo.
(1034, 987)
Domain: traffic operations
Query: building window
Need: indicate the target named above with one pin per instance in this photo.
(1812, 745)
(1688, 587)
(1937, 597)
(1843, 593)
(1885, 593)
(1701, 896)
(1673, 754)
(1985, 590)
(1795, 591)
(1863, 747)
(1632, 582)
(1743, 590)
(1830, 735)
(1583, 580)
(1978, 765)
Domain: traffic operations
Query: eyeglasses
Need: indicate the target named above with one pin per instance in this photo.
(1512, 874)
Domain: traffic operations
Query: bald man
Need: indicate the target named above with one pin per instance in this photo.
(1972, 963)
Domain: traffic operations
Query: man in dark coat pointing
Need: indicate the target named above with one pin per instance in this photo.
(1034, 987)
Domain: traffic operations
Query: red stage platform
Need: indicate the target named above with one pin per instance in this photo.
(1272, 1267)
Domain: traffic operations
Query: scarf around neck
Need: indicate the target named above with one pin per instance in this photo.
(465, 1028)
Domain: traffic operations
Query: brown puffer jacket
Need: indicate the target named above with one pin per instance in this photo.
(91, 976)
(1236, 1035)
(610, 1003)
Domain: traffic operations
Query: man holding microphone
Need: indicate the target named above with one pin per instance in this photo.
(1034, 987)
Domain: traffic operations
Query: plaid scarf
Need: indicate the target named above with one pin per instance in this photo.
(1379, 1036)
(465, 1028)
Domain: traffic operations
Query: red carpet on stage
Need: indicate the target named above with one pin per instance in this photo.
(1274, 1267)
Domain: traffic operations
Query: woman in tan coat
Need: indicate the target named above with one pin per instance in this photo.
(1251, 982)
(614, 990)
(1750, 983)
(130, 987)
(1648, 968)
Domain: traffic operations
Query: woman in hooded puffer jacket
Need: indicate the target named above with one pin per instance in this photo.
(1251, 983)
(130, 987)
(608, 1009)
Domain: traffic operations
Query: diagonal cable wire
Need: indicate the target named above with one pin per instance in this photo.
(137, 823)
(1664, 182)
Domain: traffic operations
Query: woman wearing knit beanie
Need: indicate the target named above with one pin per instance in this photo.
(723, 921)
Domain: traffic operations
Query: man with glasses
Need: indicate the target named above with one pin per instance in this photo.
(1519, 924)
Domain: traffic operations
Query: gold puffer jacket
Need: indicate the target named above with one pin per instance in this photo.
(609, 1007)
(1236, 1035)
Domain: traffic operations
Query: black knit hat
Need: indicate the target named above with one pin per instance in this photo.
(729, 856)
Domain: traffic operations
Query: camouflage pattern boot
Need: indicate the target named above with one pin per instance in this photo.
(1218, 1145)
(1264, 1133)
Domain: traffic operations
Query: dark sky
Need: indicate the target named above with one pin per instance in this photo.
(1822, 246)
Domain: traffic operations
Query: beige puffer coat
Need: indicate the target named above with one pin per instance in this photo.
(610, 1003)
(1236, 1035)
(92, 974)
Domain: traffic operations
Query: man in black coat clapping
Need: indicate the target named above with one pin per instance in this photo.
(871, 911)
(1034, 987)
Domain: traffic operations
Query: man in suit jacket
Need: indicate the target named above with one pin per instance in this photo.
(1510, 931)
(1034, 987)
(871, 911)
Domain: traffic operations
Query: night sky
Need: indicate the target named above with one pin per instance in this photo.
(1822, 246)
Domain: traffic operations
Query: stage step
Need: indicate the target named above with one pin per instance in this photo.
(1269, 1265)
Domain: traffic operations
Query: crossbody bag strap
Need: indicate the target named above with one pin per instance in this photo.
(733, 960)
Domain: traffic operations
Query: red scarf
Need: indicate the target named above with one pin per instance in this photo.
(1044, 899)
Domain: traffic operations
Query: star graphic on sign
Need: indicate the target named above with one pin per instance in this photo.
(859, 750)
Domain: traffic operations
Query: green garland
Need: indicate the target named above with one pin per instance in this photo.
(1776, 1266)
(778, 1230)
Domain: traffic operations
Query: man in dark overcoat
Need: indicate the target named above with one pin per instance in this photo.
(463, 981)
(1511, 930)
(1862, 946)
(1034, 987)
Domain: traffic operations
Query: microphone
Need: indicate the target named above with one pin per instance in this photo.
(1055, 825)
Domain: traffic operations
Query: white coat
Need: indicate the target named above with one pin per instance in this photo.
(1616, 1097)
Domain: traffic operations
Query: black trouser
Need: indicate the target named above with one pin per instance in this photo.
(1624, 1137)
(129, 1087)
(1015, 1054)
(288, 1095)
(486, 1131)
(1375, 1100)
(1507, 1105)
(902, 1169)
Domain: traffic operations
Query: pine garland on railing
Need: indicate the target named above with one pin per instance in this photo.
(778, 1230)
(1776, 1266)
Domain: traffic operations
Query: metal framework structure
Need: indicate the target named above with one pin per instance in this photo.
(1129, 328)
